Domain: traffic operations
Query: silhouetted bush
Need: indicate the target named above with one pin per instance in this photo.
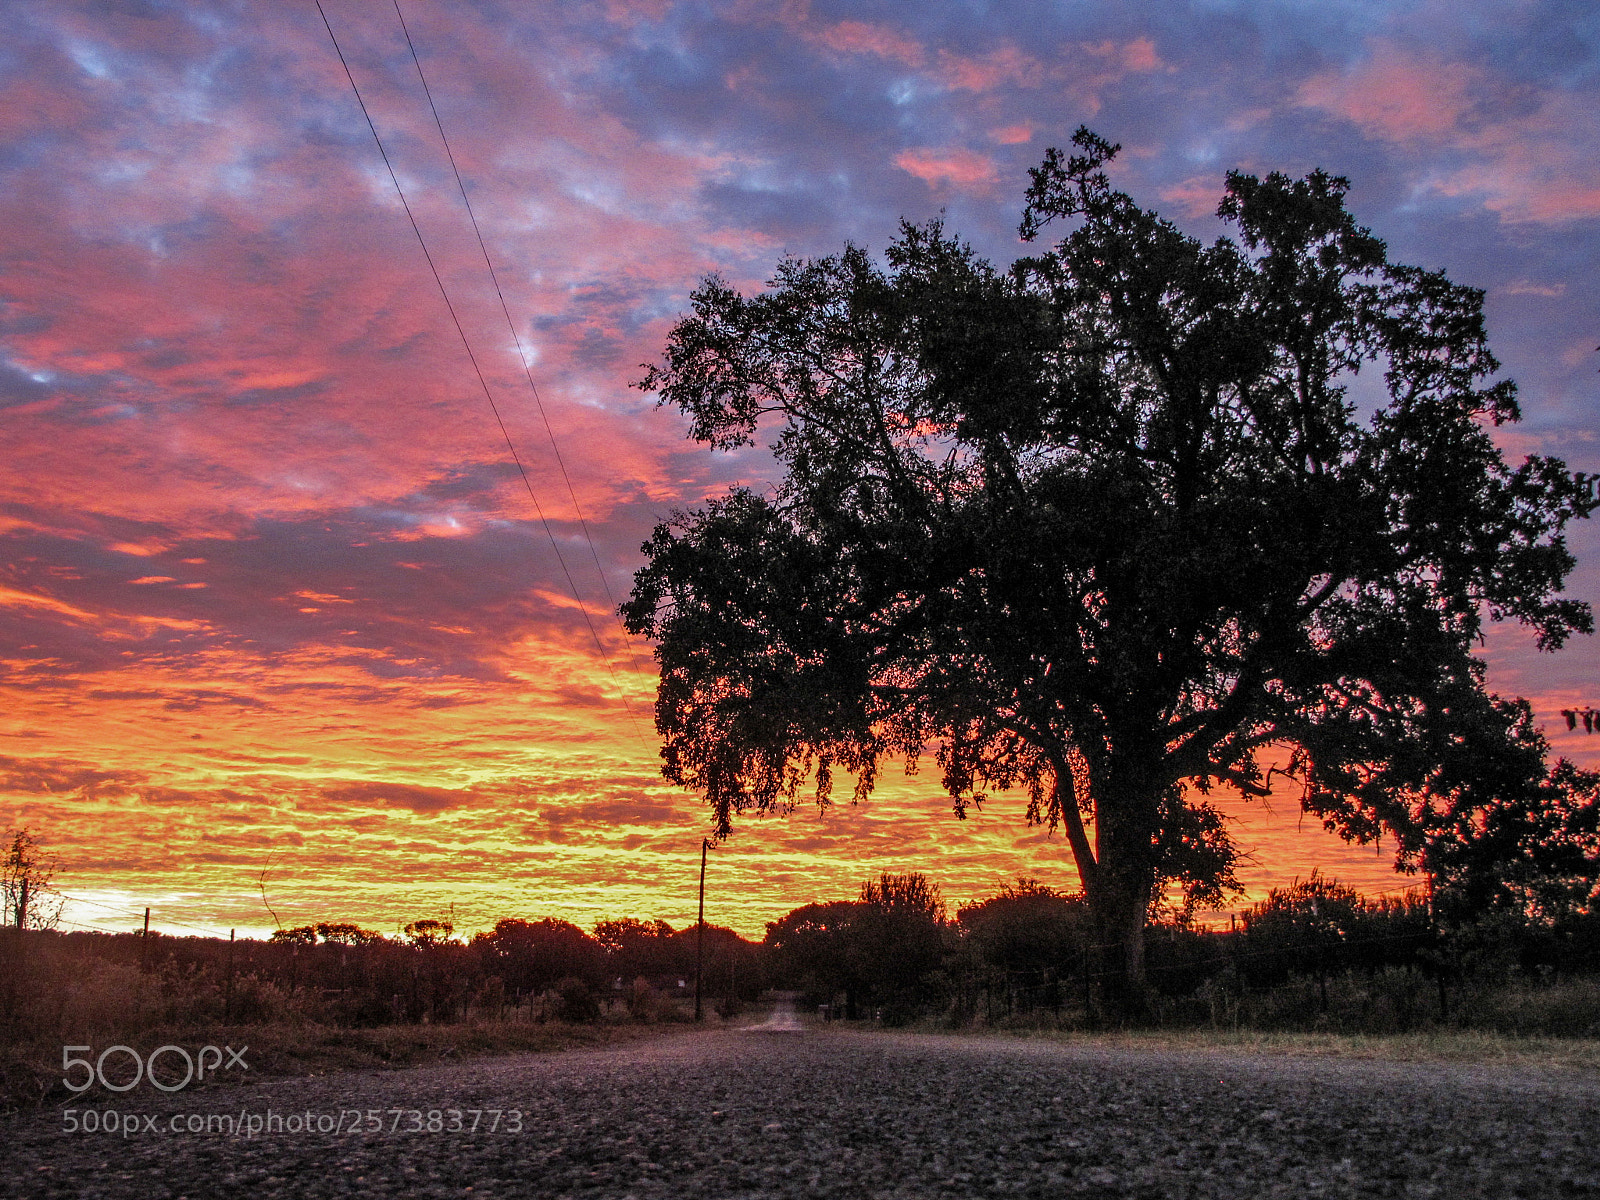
(576, 1001)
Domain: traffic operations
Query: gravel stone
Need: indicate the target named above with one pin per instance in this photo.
(851, 1114)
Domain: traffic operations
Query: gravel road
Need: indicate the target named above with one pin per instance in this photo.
(832, 1112)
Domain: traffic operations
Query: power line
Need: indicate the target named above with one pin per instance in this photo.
(511, 325)
(133, 916)
(96, 904)
(478, 371)
(90, 928)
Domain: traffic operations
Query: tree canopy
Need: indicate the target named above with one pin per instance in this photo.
(885, 946)
(530, 956)
(1131, 518)
(1026, 928)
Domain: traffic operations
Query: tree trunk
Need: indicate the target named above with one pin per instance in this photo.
(1120, 922)
(1118, 877)
(1126, 815)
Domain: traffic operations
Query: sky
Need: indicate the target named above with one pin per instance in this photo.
(280, 625)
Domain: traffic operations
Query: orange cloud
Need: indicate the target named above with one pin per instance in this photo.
(28, 600)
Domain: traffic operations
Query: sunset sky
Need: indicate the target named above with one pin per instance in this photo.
(274, 598)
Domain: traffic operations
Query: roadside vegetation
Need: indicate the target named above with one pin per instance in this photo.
(1313, 958)
(334, 996)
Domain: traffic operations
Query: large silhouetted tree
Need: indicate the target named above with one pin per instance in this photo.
(1110, 525)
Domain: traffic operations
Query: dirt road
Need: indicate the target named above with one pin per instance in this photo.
(835, 1113)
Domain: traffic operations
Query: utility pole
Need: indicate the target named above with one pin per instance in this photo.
(227, 993)
(700, 932)
(144, 943)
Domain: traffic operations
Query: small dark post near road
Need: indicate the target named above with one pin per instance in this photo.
(700, 932)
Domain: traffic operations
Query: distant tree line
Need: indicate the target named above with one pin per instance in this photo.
(343, 974)
(1314, 953)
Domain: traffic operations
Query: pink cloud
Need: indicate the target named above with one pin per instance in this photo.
(1196, 196)
(1140, 55)
(1136, 55)
(984, 73)
(634, 12)
(1013, 135)
(964, 168)
(860, 37)
(1538, 180)
(113, 302)
(1394, 94)
(1527, 287)
(1096, 67)
(1530, 156)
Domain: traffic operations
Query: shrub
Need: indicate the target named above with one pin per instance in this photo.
(575, 1002)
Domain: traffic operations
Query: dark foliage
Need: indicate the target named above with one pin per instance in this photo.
(637, 948)
(533, 956)
(886, 949)
(1532, 850)
(1107, 526)
(813, 949)
(341, 974)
